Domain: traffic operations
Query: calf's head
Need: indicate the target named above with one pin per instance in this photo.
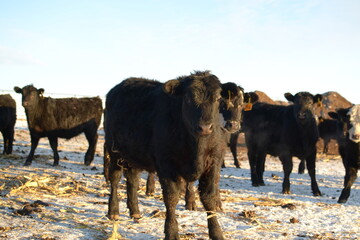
(304, 105)
(348, 122)
(232, 99)
(200, 97)
(31, 96)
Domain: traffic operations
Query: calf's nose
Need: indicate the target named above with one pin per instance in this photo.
(232, 125)
(206, 129)
(356, 136)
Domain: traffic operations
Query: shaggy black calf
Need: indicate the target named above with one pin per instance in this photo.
(171, 128)
(232, 139)
(349, 145)
(232, 99)
(60, 117)
(7, 121)
(283, 131)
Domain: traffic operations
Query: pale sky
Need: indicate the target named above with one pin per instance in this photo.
(275, 46)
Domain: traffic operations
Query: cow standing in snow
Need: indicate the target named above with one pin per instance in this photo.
(173, 129)
(7, 121)
(60, 117)
(283, 131)
(349, 145)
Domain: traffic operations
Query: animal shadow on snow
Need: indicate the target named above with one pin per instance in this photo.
(330, 186)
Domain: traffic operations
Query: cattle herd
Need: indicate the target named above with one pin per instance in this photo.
(180, 130)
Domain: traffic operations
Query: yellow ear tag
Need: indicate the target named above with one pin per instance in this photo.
(229, 101)
(248, 107)
(319, 103)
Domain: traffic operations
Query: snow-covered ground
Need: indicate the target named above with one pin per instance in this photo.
(70, 201)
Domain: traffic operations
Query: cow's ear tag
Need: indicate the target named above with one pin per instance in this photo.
(248, 107)
(319, 103)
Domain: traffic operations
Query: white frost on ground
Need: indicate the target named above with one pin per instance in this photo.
(77, 196)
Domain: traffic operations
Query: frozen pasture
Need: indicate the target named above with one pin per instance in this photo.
(70, 201)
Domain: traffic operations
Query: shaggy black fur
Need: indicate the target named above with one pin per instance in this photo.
(60, 117)
(171, 128)
(283, 131)
(7, 121)
(232, 98)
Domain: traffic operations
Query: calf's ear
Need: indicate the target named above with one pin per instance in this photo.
(289, 97)
(17, 89)
(317, 98)
(343, 113)
(251, 97)
(172, 87)
(333, 115)
(41, 91)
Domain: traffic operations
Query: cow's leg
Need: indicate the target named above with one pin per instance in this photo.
(311, 167)
(11, 140)
(150, 184)
(132, 186)
(106, 164)
(208, 190)
(115, 173)
(91, 136)
(252, 156)
(54, 145)
(3, 134)
(171, 191)
(34, 143)
(233, 148)
(8, 136)
(350, 177)
(287, 163)
(301, 169)
(190, 203)
(326, 145)
(261, 168)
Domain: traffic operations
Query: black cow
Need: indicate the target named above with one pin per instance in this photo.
(232, 98)
(7, 121)
(171, 128)
(349, 145)
(283, 131)
(60, 117)
(232, 139)
(327, 131)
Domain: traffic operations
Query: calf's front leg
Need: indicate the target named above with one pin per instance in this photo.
(208, 190)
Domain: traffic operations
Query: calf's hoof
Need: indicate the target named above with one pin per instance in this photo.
(342, 200)
(317, 194)
(190, 206)
(27, 163)
(136, 217)
(113, 216)
(286, 192)
(88, 161)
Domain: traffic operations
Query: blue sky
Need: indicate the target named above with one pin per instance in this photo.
(276, 46)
